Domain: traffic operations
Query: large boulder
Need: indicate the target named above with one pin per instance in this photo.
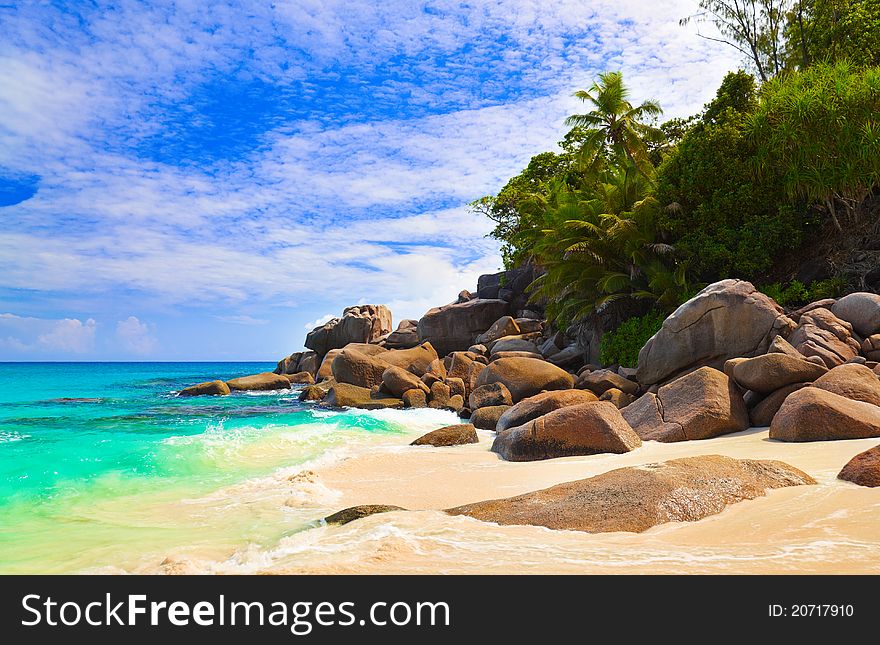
(725, 320)
(600, 381)
(325, 370)
(398, 380)
(586, 429)
(861, 310)
(571, 356)
(345, 395)
(289, 364)
(359, 324)
(871, 347)
(525, 377)
(300, 378)
(700, 405)
(863, 469)
(504, 326)
(259, 382)
(486, 418)
(762, 414)
(822, 334)
(770, 372)
(492, 394)
(415, 359)
(541, 404)
(814, 414)
(513, 344)
(405, 336)
(639, 497)
(456, 435)
(853, 381)
(453, 327)
(208, 388)
(356, 368)
(353, 513)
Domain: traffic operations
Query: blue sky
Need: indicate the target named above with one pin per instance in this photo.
(205, 181)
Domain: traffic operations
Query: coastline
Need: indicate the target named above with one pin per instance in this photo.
(827, 528)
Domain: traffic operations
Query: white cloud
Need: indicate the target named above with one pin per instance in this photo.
(135, 336)
(309, 326)
(242, 320)
(70, 335)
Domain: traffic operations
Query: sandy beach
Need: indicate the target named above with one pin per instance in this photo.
(827, 528)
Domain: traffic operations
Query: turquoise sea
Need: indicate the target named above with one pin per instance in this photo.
(103, 468)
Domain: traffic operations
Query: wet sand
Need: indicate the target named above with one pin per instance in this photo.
(833, 527)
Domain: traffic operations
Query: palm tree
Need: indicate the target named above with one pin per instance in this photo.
(614, 125)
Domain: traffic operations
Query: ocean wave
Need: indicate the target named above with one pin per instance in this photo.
(8, 436)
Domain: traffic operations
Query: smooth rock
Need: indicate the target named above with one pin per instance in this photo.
(486, 417)
(853, 381)
(300, 378)
(770, 372)
(504, 326)
(761, 415)
(494, 394)
(208, 388)
(353, 367)
(398, 380)
(601, 380)
(454, 327)
(345, 395)
(861, 310)
(259, 382)
(618, 398)
(415, 398)
(359, 512)
(814, 414)
(455, 435)
(525, 377)
(863, 469)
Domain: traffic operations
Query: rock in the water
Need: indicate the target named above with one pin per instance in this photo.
(325, 369)
(814, 414)
(208, 388)
(486, 417)
(345, 395)
(453, 327)
(618, 398)
(259, 382)
(861, 310)
(360, 324)
(601, 380)
(398, 380)
(300, 378)
(853, 381)
(822, 334)
(504, 326)
(313, 393)
(456, 435)
(762, 414)
(415, 398)
(725, 320)
(540, 404)
(700, 405)
(585, 429)
(289, 364)
(525, 377)
(356, 368)
(636, 498)
(863, 469)
(486, 395)
(770, 372)
(347, 515)
(416, 359)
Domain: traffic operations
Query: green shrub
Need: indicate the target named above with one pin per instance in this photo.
(796, 293)
(622, 345)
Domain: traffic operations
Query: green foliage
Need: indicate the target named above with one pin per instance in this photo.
(820, 30)
(622, 345)
(796, 293)
(723, 222)
(819, 131)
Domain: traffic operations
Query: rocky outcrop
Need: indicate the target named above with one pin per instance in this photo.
(325, 370)
(861, 310)
(770, 372)
(405, 336)
(259, 382)
(398, 380)
(822, 334)
(345, 395)
(853, 381)
(585, 429)
(356, 368)
(208, 388)
(298, 362)
(541, 404)
(814, 414)
(454, 327)
(300, 378)
(489, 395)
(762, 414)
(510, 285)
(525, 377)
(600, 381)
(700, 405)
(359, 324)
(486, 418)
(637, 498)
(455, 435)
(353, 513)
(863, 469)
(513, 344)
(504, 326)
(725, 320)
